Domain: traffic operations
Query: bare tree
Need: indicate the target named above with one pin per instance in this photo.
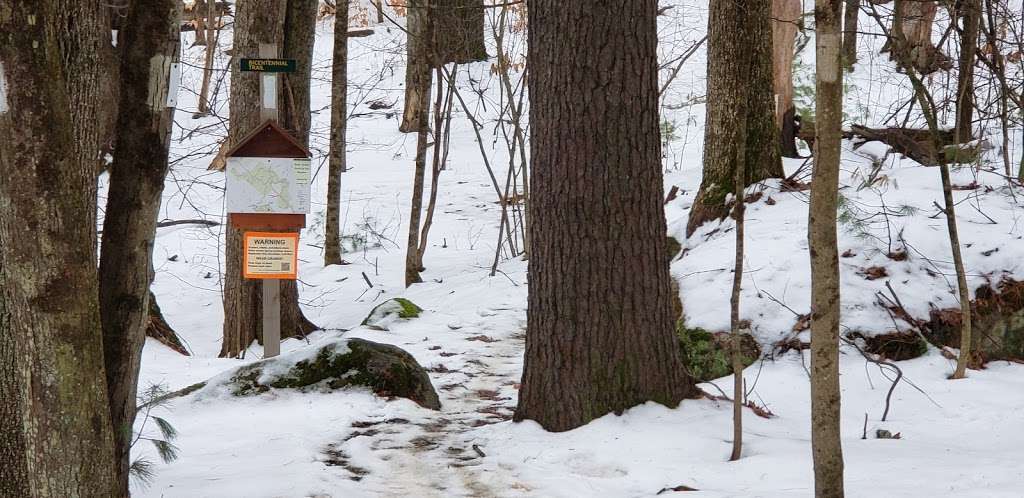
(786, 19)
(600, 336)
(339, 123)
(57, 441)
(151, 44)
(734, 315)
(825, 398)
(850, 34)
(970, 14)
(212, 36)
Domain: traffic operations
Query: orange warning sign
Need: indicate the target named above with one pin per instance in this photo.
(270, 255)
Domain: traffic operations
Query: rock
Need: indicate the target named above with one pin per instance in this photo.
(997, 323)
(896, 346)
(384, 369)
(386, 313)
(706, 355)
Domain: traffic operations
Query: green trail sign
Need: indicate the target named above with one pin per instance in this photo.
(269, 65)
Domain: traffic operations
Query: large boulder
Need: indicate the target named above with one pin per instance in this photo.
(386, 370)
(706, 355)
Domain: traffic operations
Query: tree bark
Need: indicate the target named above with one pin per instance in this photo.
(850, 34)
(439, 32)
(736, 355)
(58, 437)
(825, 399)
(970, 12)
(600, 335)
(339, 123)
(299, 35)
(786, 18)
(419, 57)
(151, 45)
(263, 21)
(736, 32)
(460, 31)
(412, 251)
(212, 36)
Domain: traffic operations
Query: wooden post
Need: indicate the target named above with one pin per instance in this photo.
(271, 287)
(271, 317)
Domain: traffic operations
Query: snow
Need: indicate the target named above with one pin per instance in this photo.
(958, 438)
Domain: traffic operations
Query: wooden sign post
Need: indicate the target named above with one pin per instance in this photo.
(268, 176)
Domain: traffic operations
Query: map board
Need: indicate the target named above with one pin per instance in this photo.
(268, 185)
(270, 255)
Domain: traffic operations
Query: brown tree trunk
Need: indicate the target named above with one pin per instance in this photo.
(439, 32)
(736, 355)
(412, 251)
(200, 25)
(442, 115)
(157, 328)
(850, 34)
(151, 45)
(419, 57)
(786, 16)
(339, 123)
(299, 35)
(58, 437)
(263, 21)
(460, 31)
(825, 400)
(212, 36)
(970, 12)
(14, 477)
(600, 335)
(736, 32)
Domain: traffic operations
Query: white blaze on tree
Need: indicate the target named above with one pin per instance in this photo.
(3, 90)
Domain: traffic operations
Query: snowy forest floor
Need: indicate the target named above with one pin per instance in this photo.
(958, 438)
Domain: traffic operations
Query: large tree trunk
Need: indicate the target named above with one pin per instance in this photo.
(263, 21)
(970, 12)
(58, 438)
(460, 31)
(736, 91)
(151, 45)
(914, 22)
(600, 334)
(299, 35)
(439, 32)
(786, 16)
(825, 413)
(339, 123)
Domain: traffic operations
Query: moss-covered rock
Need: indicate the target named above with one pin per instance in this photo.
(997, 323)
(386, 313)
(706, 355)
(386, 370)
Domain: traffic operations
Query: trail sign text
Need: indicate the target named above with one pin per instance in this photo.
(269, 65)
